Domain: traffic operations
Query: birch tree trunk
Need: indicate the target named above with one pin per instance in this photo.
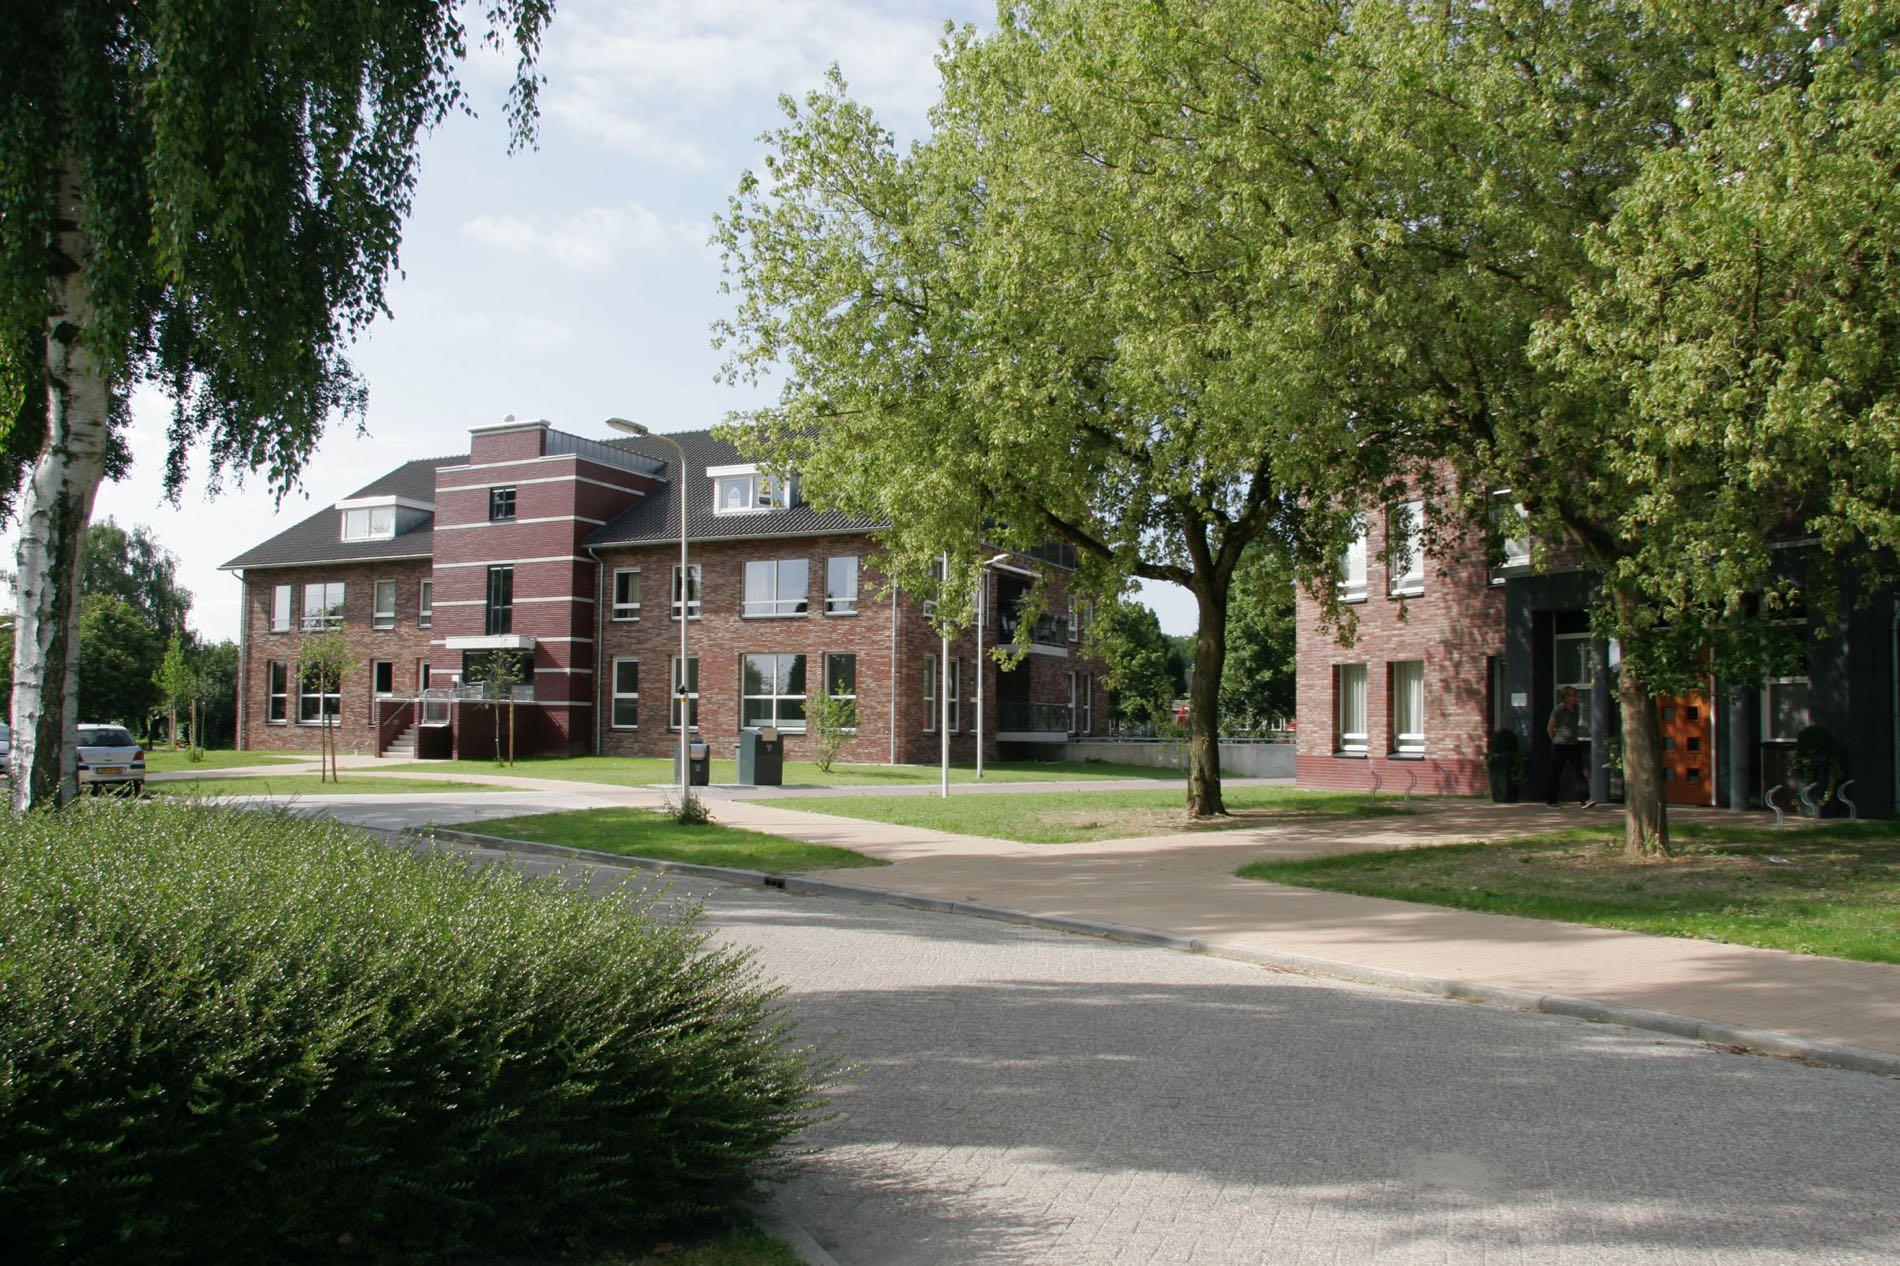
(56, 508)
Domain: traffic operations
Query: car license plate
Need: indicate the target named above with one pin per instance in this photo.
(110, 769)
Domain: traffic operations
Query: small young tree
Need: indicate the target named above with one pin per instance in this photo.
(323, 660)
(830, 720)
(498, 673)
(177, 683)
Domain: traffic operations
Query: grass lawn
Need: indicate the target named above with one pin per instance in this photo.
(163, 760)
(1832, 889)
(644, 833)
(644, 771)
(305, 785)
(1068, 817)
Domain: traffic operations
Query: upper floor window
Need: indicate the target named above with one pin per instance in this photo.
(744, 490)
(501, 503)
(1405, 541)
(777, 586)
(280, 609)
(1349, 708)
(1511, 527)
(425, 605)
(692, 591)
(384, 615)
(369, 523)
(627, 593)
(500, 602)
(1352, 564)
(322, 607)
(841, 585)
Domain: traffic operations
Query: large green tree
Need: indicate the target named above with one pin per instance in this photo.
(119, 659)
(132, 565)
(1115, 299)
(1258, 689)
(1139, 662)
(206, 196)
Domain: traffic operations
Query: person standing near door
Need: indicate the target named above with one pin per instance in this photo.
(1566, 751)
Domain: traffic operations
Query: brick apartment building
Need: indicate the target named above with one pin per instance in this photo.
(563, 553)
(1449, 650)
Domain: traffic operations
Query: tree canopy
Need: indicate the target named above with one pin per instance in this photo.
(133, 566)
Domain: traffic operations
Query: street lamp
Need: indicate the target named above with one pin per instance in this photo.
(943, 684)
(686, 583)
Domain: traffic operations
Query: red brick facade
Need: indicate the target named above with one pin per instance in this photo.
(1454, 627)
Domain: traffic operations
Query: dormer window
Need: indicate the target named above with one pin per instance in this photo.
(370, 523)
(744, 490)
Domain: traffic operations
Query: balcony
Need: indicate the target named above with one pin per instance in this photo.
(1022, 722)
(1050, 633)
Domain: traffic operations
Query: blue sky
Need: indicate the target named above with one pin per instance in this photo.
(572, 282)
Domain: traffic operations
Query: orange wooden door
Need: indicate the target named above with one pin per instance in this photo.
(1688, 756)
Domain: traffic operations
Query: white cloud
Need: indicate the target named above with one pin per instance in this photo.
(589, 239)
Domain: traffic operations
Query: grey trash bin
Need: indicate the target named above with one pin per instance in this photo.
(761, 758)
(698, 764)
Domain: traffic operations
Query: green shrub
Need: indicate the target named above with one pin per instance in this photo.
(234, 1036)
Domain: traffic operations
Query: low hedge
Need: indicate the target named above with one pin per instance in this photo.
(238, 1036)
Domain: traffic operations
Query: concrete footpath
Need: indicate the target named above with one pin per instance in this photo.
(1184, 886)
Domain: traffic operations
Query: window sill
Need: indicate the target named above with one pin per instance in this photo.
(1352, 599)
(626, 729)
(1351, 754)
(833, 614)
(1415, 592)
(270, 722)
(1419, 755)
(625, 619)
(675, 617)
(772, 615)
(384, 628)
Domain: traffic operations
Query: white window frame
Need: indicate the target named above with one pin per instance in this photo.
(616, 695)
(1075, 711)
(930, 694)
(825, 683)
(360, 523)
(1347, 740)
(382, 617)
(740, 490)
(425, 605)
(1075, 621)
(1088, 703)
(1583, 687)
(841, 604)
(695, 591)
(1517, 549)
(1768, 712)
(1407, 742)
(1405, 544)
(327, 611)
(375, 667)
(628, 609)
(277, 692)
(673, 693)
(1352, 564)
(788, 725)
(281, 612)
(956, 695)
(333, 696)
(783, 604)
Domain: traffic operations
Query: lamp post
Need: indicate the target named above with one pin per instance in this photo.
(686, 586)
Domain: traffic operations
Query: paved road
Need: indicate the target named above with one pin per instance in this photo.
(1028, 1097)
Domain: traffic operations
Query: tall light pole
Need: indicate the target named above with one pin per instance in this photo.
(686, 588)
(943, 684)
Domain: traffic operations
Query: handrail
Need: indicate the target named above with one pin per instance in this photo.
(386, 724)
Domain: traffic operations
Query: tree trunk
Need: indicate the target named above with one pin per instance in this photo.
(1645, 817)
(53, 518)
(1210, 655)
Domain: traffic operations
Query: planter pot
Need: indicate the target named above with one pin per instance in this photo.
(1504, 788)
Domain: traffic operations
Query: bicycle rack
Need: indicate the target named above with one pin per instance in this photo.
(1372, 796)
(1769, 800)
(1840, 794)
(1812, 809)
(1411, 785)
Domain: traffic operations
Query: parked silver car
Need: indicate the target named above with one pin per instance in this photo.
(109, 758)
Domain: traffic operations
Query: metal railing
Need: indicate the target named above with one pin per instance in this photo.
(1018, 717)
(1049, 630)
(437, 705)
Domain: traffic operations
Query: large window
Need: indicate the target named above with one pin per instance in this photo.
(626, 700)
(370, 523)
(1405, 541)
(1349, 707)
(841, 585)
(384, 615)
(1408, 708)
(1088, 703)
(956, 695)
(425, 605)
(1574, 666)
(930, 694)
(277, 690)
(777, 587)
(1784, 709)
(690, 690)
(280, 609)
(749, 493)
(322, 607)
(1512, 531)
(499, 606)
(501, 504)
(692, 592)
(1352, 564)
(627, 593)
(772, 692)
(382, 677)
(317, 700)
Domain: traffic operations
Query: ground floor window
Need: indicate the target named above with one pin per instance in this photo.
(1408, 707)
(1574, 666)
(686, 689)
(626, 696)
(382, 675)
(1088, 703)
(1349, 707)
(277, 687)
(841, 677)
(772, 692)
(319, 699)
(930, 694)
(956, 695)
